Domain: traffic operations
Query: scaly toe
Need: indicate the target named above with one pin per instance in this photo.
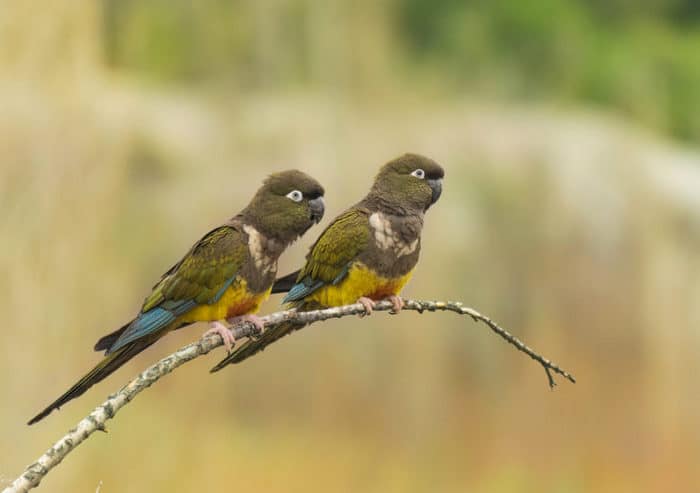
(257, 321)
(397, 303)
(226, 335)
(253, 319)
(368, 304)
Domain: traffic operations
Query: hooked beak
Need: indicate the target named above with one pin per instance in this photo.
(436, 187)
(317, 209)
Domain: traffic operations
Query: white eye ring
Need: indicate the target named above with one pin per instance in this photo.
(419, 173)
(295, 195)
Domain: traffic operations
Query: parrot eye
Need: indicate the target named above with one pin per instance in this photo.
(295, 195)
(419, 173)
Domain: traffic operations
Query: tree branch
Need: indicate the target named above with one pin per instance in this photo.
(96, 420)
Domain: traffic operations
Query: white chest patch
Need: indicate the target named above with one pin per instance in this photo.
(387, 239)
(256, 247)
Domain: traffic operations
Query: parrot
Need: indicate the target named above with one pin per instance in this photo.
(225, 276)
(367, 253)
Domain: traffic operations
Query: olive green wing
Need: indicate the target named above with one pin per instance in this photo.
(200, 278)
(332, 255)
(205, 272)
(328, 262)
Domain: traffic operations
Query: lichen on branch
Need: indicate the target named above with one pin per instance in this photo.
(95, 421)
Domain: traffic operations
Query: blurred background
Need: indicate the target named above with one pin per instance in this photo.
(570, 133)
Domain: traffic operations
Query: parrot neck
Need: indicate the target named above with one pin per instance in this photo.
(279, 228)
(387, 203)
(264, 244)
(263, 250)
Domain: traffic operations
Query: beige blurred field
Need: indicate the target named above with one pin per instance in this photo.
(576, 228)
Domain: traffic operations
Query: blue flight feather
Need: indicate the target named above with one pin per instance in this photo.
(152, 321)
(221, 291)
(343, 274)
(307, 286)
(300, 290)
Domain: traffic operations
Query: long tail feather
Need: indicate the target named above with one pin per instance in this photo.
(284, 284)
(108, 341)
(103, 369)
(254, 346)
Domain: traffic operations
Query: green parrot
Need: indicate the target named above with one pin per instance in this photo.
(225, 276)
(366, 254)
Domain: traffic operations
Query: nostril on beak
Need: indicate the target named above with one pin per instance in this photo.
(436, 186)
(317, 207)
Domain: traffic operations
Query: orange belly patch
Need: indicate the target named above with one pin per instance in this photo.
(360, 281)
(385, 291)
(250, 305)
(236, 300)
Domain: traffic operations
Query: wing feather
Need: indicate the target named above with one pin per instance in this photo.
(201, 277)
(331, 256)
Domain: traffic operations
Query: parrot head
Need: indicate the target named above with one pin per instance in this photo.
(287, 204)
(410, 181)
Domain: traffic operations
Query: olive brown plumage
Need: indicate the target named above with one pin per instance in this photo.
(225, 276)
(367, 253)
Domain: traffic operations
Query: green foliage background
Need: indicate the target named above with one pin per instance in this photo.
(639, 58)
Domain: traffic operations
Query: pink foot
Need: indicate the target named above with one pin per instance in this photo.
(397, 302)
(368, 304)
(225, 333)
(253, 319)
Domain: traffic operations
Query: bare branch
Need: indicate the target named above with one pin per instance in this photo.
(95, 421)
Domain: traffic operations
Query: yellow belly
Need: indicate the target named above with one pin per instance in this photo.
(360, 281)
(236, 300)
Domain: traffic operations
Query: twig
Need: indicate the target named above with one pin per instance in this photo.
(95, 421)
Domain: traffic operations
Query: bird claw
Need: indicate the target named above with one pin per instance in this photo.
(368, 304)
(225, 333)
(253, 319)
(397, 303)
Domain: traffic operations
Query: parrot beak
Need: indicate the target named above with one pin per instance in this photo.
(436, 187)
(317, 209)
